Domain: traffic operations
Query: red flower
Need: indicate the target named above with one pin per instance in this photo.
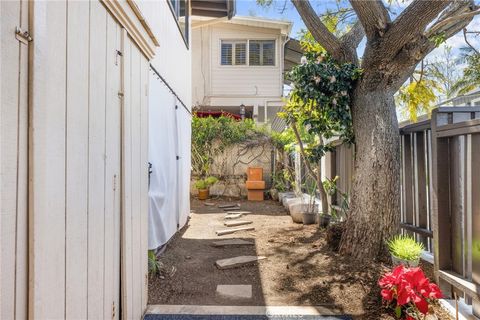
(408, 288)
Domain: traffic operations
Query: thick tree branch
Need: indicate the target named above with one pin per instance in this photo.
(322, 35)
(412, 22)
(353, 37)
(416, 50)
(468, 42)
(373, 15)
(316, 27)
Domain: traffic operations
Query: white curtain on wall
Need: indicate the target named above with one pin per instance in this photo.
(169, 156)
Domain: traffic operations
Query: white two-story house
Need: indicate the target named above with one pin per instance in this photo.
(238, 66)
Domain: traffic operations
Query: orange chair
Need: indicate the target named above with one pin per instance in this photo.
(255, 184)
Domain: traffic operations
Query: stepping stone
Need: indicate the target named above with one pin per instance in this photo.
(232, 242)
(229, 231)
(242, 291)
(222, 206)
(232, 215)
(237, 261)
(209, 204)
(232, 209)
(237, 223)
(239, 212)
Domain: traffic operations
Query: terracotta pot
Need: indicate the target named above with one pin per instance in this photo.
(203, 194)
(255, 174)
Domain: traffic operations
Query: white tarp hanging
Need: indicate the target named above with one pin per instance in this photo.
(169, 156)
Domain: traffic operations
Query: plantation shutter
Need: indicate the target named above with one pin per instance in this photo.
(240, 53)
(254, 53)
(268, 53)
(226, 54)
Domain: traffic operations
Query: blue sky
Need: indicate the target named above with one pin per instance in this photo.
(250, 7)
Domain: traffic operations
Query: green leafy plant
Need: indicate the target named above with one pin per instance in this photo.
(153, 263)
(206, 183)
(405, 247)
(211, 136)
(320, 104)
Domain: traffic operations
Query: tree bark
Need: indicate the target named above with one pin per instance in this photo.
(374, 214)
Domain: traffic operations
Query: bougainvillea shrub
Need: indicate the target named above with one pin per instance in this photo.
(408, 292)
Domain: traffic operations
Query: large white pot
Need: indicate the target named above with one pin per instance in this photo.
(297, 210)
(288, 201)
(282, 195)
(286, 198)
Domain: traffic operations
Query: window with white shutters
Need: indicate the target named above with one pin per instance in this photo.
(256, 52)
(226, 54)
(233, 53)
(262, 52)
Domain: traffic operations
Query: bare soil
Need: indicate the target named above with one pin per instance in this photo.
(300, 269)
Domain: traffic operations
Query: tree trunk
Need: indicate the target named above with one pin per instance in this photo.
(374, 214)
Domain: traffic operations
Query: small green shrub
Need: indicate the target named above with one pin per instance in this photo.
(153, 263)
(405, 247)
(205, 183)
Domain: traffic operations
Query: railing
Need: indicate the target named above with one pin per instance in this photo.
(455, 199)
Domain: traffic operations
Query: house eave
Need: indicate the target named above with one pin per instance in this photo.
(213, 8)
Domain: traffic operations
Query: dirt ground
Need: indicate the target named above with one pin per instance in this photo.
(299, 270)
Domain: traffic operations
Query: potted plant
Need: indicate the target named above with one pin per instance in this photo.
(330, 187)
(203, 187)
(309, 215)
(405, 250)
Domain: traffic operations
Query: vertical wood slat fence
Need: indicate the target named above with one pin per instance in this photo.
(416, 172)
(440, 195)
(415, 140)
(456, 201)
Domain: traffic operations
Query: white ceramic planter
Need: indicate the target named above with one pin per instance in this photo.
(297, 210)
(282, 195)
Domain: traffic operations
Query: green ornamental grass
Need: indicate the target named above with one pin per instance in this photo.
(405, 247)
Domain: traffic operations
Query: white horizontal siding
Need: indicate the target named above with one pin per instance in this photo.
(265, 81)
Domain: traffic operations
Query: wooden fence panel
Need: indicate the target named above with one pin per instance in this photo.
(76, 262)
(408, 181)
(135, 181)
(144, 178)
(112, 171)
(126, 246)
(457, 181)
(475, 207)
(13, 162)
(47, 165)
(75, 162)
(420, 175)
(96, 161)
(455, 150)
